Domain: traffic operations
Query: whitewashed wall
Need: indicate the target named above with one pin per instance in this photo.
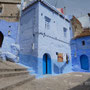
(85, 21)
(47, 44)
(33, 33)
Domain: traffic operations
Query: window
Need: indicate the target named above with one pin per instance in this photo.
(9, 33)
(69, 28)
(83, 43)
(9, 26)
(47, 22)
(1, 8)
(65, 32)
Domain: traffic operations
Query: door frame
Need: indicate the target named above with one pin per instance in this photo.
(47, 64)
(87, 59)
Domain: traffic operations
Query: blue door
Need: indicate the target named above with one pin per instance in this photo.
(84, 62)
(46, 64)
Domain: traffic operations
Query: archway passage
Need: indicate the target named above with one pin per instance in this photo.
(46, 64)
(1, 39)
(84, 62)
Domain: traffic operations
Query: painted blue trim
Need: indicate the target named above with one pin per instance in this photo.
(44, 64)
(49, 69)
(47, 64)
(37, 65)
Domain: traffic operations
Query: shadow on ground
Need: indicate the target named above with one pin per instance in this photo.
(84, 86)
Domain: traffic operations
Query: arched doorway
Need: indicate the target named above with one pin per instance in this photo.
(1, 39)
(46, 64)
(84, 62)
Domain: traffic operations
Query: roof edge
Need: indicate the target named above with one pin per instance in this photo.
(49, 6)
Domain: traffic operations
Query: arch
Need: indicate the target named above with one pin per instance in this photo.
(1, 38)
(46, 64)
(84, 62)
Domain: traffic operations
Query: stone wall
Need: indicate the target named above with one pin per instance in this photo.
(10, 11)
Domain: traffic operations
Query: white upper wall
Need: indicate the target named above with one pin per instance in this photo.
(56, 24)
(52, 39)
(85, 21)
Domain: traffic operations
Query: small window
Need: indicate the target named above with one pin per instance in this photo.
(69, 28)
(41, 14)
(9, 33)
(9, 26)
(65, 32)
(1, 8)
(11, 14)
(83, 43)
(47, 22)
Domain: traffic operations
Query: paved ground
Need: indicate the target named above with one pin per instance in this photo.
(71, 81)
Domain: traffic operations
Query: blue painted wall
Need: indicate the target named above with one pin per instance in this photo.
(9, 38)
(9, 26)
(77, 50)
(36, 40)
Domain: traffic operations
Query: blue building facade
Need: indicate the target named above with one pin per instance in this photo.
(44, 33)
(9, 25)
(10, 32)
(9, 48)
(80, 52)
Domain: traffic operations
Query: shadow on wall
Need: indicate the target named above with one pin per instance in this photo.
(1, 38)
(56, 69)
(29, 61)
(59, 70)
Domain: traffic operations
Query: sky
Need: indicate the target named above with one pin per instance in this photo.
(73, 7)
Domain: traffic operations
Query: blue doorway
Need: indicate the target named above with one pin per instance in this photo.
(84, 62)
(46, 64)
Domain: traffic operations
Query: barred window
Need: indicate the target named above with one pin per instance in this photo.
(47, 22)
(1, 8)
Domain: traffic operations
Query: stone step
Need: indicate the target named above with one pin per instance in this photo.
(10, 65)
(11, 74)
(30, 69)
(11, 69)
(13, 65)
(11, 82)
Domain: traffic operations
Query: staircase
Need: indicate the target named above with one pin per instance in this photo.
(13, 75)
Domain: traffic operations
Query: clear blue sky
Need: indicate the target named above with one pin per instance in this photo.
(73, 7)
